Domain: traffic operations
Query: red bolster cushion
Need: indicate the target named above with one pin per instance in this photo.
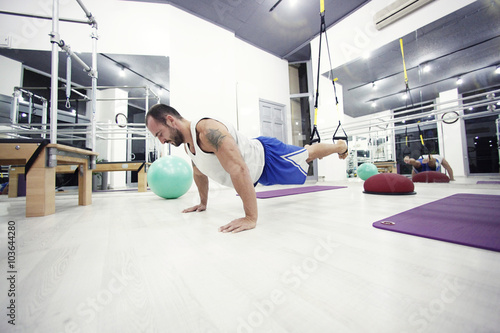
(431, 177)
(389, 183)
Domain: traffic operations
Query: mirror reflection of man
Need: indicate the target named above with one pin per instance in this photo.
(432, 162)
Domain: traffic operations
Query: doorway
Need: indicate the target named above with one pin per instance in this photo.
(272, 120)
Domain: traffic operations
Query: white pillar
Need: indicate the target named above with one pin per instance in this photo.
(114, 150)
(452, 143)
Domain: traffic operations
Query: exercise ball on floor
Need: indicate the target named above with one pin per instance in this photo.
(366, 170)
(170, 177)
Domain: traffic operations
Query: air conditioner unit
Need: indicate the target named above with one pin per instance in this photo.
(397, 10)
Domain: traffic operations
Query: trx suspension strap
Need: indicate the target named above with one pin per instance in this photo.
(421, 135)
(407, 87)
(314, 134)
(406, 150)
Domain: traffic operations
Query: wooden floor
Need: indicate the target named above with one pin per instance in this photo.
(131, 262)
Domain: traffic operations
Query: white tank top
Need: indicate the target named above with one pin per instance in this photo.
(251, 150)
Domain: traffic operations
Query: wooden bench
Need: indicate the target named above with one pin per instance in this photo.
(386, 167)
(16, 170)
(41, 161)
(140, 167)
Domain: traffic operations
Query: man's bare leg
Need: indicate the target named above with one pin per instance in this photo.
(320, 150)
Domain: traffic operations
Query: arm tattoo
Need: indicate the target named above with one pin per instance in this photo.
(215, 137)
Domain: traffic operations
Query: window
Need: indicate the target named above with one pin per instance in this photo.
(481, 132)
(301, 106)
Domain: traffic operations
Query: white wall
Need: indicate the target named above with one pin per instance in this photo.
(202, 66)
(114, 150)
(126, 27)
(11, 74)
(259, 75)
(452, 136)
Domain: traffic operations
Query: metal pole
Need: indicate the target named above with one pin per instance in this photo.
(77, 86)
(43, 17)
(54, 38)
(146, 158)
(68, 50)
(30, 108)
(94, 84)
(44, 118)
(14, 107)
(87, 13)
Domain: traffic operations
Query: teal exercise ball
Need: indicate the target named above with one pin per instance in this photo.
(170, 177)
(366, 170)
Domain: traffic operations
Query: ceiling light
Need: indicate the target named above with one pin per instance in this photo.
(374, 104)
(366, 55)
(460, 81)
(122, 72)
(427, 68)
(497, 71)
(23, 115)
(405, 96)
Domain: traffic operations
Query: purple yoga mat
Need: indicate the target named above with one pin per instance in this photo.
(487, 182)
(466, 219)
(295, 190)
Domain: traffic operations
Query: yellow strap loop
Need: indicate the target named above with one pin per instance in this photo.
(315, 116)
(322, 6)
(403, 54)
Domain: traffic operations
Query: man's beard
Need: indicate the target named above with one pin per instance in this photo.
(178, 137)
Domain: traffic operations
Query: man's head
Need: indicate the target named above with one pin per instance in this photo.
(163, 122)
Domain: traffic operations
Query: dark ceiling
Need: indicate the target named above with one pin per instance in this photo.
(285, 31)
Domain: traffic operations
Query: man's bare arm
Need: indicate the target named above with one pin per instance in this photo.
(201, 182)
(448, 168)
(215, 138)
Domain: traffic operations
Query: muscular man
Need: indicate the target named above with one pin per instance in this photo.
(429, 163)
(219, 152)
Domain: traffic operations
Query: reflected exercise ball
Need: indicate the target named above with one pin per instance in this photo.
(170, 177)
(366, 170)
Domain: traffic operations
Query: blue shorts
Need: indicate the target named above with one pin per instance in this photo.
(426, 167)
(284, 164)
